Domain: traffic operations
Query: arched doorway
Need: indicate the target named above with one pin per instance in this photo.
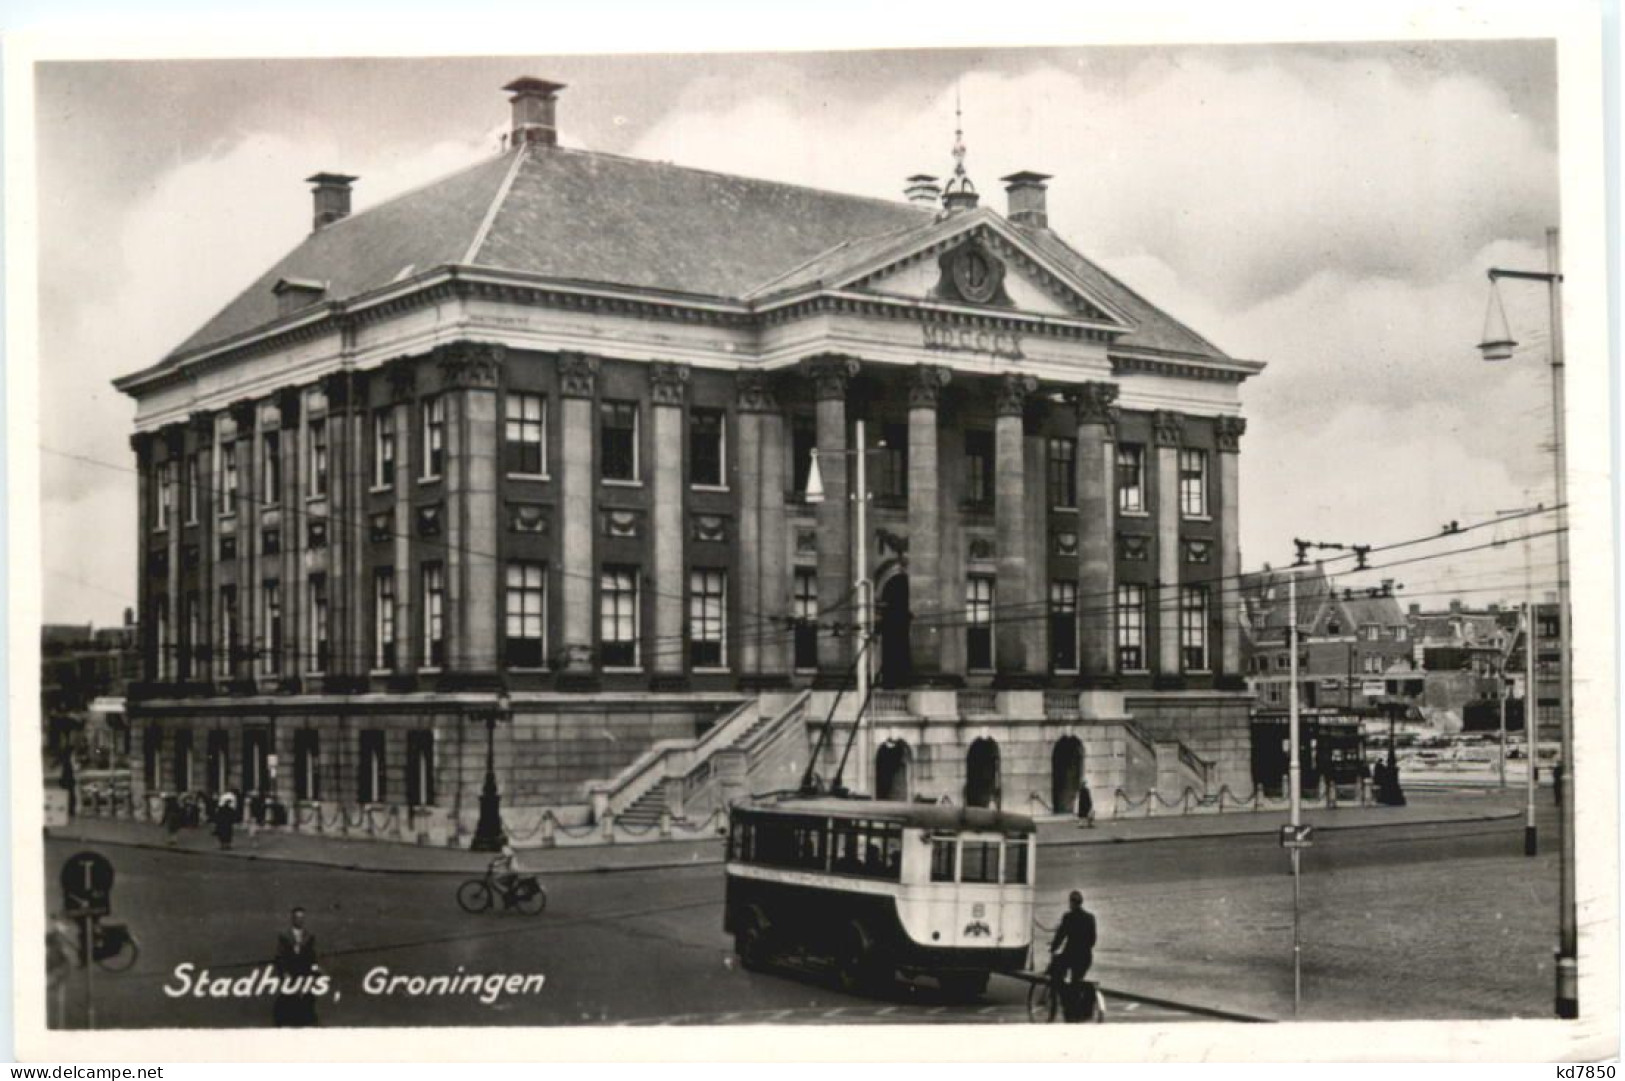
(1066, 774)
(982, 774)
(893, 617)
(893, 762)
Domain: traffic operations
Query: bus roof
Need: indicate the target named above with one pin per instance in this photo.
(912, 815)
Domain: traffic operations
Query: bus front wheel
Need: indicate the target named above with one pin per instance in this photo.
(859, 964)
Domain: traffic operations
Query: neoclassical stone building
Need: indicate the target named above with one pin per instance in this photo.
(536, 437)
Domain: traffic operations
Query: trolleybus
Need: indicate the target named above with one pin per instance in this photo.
(882, 888)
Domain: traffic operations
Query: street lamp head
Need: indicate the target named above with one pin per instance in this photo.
(1497, 349)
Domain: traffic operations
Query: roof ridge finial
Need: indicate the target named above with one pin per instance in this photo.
(959, 193)
(959, 135)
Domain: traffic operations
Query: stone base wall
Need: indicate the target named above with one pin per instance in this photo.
(543, 757)
(1215, 726)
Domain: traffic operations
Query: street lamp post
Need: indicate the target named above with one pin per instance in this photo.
(489, 835)
(1498, 345)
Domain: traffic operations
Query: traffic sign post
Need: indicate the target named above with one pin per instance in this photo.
(87, 895)
(1296, 837)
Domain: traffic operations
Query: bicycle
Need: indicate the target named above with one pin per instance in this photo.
(525, 893)
(1043, 1007)
(113, 945)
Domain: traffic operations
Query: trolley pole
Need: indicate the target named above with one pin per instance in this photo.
(865, 623)
(1295, 789)
(1531, 840)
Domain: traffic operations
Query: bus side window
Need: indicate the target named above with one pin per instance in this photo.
(942, 860)
(981, 862)
(1015, 861)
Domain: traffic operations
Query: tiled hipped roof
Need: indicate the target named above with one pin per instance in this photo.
(602, 219)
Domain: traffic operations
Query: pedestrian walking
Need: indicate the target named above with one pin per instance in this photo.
(1086, 805)
(225, 813)
(172, 819)
(295, 1005)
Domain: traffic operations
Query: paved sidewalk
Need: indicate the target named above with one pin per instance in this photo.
(390, 858)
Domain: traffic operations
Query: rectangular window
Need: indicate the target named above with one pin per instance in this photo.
(434, 436)
(306, 764)
(524, 434)
(420, 768)
(979, 861)
(979, 622)
(183, 760)
(1131, 478)
(271, 468)
(707, 618)
(152, 749)
(194, 488)
(869, 849)
(228, 478)
(526, 615)
(219, 758)
(271, 659)
(618, 440)
(943, 850)
(803, 440)
(192, 648)
(1131, 627)
(166, 648)
(318, 624)
(271, 542)
(1193, 628)
(618, 616)
(707, 448)
(434, 614)
(1063, 472)
(229, 632)
(1015, 861)
(369, 785)
(1063, 625)
(383, 447)
(317, 439)
(805, 609)
(979, 468)
(1373, 632)
(166, 496)
(889, 479)
(383, 618)
(1193, 483)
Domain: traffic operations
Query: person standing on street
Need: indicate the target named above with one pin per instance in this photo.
(1072, 952)
(295, 963)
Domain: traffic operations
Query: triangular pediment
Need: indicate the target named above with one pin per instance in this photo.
(981, 262)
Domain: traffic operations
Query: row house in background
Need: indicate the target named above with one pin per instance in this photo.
(543, 428)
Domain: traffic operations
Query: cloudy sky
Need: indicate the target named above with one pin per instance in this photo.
(1328, 209)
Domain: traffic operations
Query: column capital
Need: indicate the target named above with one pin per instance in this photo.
(756, 393)
(141, 443)
(465, 365)
(287, 402)
(202, 422)
(174, 437)
(1095, 403)
(578, 375)
(403, 379)
(668, 383)
(1228, 431)
(925, 385)
(1168, 428)
(1013, 393)
(243, 411)
(830, 373)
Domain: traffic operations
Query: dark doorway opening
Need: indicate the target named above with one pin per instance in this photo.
(982, 774)
(892, 771)
(893, 617)
(1066, 774)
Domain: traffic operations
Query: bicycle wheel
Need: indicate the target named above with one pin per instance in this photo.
(1041, 1004)
(531, 899)
(125, 958)
(474, 895)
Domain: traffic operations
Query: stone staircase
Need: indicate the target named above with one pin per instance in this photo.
(647, 808)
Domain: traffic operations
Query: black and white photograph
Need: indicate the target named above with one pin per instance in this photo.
(904, 535)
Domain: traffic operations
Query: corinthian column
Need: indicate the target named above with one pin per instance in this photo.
(470, 372)
(837, 600)
(578, 378)
(1168, 430)
(925, 522)
(1097, 566)
(1013, 601)
(1228, 431)
(668, 390)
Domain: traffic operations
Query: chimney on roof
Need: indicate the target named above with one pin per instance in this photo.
(533, 111)
(1025, 192)
(1455, 605)
(332, 197)
(922, 190)
(1416, 609)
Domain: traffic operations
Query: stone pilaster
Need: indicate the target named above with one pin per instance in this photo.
(201, 651)
(470, 373)
(578, 385)
(668, 394)
(1168, 432)
(1097, 506)
(1013, 603)
(831, 375)
(926, 634)
(408, 637)
(245, 414)
(142, 444)
(293, 525)
(174, 437)
(764, 586)
(1229, 431)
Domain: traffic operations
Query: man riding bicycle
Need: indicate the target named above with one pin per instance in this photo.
(1072, 951)
(507, 871)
